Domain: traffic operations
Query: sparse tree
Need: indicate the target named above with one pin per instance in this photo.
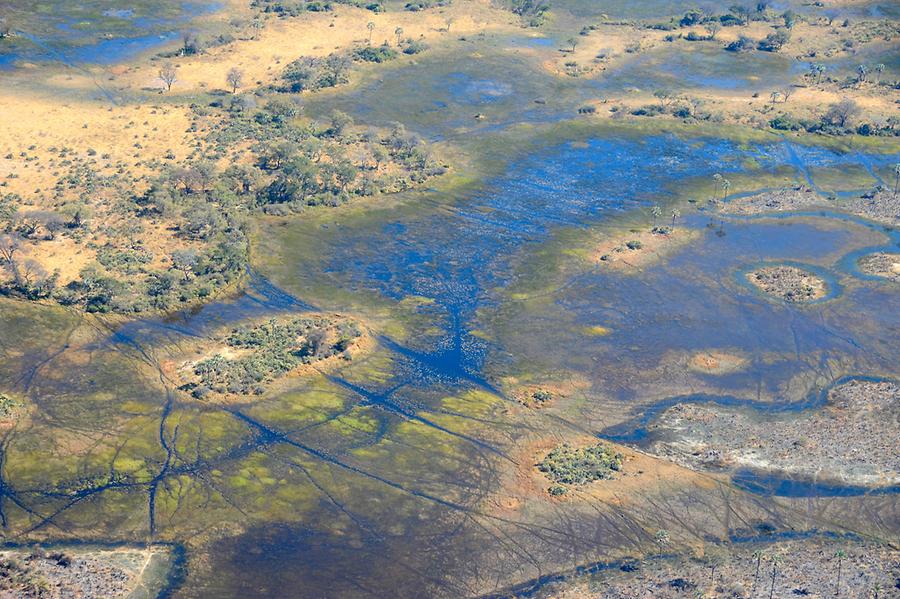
(379, 155)
(257, 26)
(168, 75)
(839, 555)
(896, 177)
(662, 539)
(713, 28)
(235, 78)
(862, 74)
(815, 71)
(774, 96)
(774, 558)
(665, 96)
(842, 113)
(190, 44)
(371, 27)
(879, 70)
(742, 13)
(399, 33)
(790, 19)
(758, 556)
(10, 245)
(714, 558)
(185, 261)
(787, 92)
(572, 41)
(675, 214)
(448, 22)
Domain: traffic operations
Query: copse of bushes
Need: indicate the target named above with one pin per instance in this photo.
(271, 349)
(568, 465)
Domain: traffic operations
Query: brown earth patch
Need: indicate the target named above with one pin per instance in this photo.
(629, 251)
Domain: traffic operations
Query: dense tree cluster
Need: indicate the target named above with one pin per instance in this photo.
(270, 350)
(566, 465)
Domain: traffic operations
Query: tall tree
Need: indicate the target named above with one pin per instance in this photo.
(168, 75)
(235, 78)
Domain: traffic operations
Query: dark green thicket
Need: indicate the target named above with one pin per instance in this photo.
(275, 348)
(8, 406)
(577, 466)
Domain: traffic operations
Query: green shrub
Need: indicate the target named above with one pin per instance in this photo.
(571, 466)
(377, 54)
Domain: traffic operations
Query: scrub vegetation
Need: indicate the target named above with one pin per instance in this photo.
(258, 355)
(566, 465)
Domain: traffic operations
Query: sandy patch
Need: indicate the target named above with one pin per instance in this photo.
(640, 473)
(882, 265)
(629, 251)
(713, 362)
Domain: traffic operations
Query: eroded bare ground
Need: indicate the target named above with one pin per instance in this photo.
(881, 264)
(880, 205)
(849, 439)
(61, 572)
(818, 567)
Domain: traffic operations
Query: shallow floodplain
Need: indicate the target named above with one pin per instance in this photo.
(516, 298)
(409, 470)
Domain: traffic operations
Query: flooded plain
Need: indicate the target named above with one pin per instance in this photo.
(389, 476)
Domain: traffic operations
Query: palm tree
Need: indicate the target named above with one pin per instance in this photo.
(862, 73)
(726, 185)
(371, 27)
(839, 555)
(879, 69)
(714, 558)
(661, 538)
(398, 32)
(675, 214)
(820, 68)
(775, 559)
(656, 211)
(758, 554)
(718, 179)
(896, 177)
